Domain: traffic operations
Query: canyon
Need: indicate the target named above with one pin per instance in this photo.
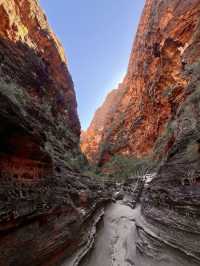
(50, 209)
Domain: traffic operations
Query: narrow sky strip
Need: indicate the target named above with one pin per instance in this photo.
(97, 37)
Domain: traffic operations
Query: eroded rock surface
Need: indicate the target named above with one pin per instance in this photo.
(160, 117)
(171, 204)
(92, 138)
(44, 204)
(115, 242)
(125, 238)
(155, 86)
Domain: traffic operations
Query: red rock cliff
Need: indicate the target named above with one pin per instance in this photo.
(155, 84)
(23, 23)
(91, 139)
(44, 202)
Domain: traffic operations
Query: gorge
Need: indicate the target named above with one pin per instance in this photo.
(52, 212)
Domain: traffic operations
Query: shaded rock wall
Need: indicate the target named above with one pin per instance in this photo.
(44, 203)
(172, 200)
(171, 203)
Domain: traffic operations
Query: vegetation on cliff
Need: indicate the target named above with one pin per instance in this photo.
(120, 167)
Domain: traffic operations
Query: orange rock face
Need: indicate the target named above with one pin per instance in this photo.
(154, 86)
(91, 140)
(46, 204)
(23, 23)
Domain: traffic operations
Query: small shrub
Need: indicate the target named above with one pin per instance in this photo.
(121, 167)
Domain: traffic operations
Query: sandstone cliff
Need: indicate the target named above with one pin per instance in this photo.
(44, 203)
(160, 117)
(91, 140)
(172, 200)
(155, 85)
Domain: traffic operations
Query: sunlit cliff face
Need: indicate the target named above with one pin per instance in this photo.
(154, 87)
(23, 22)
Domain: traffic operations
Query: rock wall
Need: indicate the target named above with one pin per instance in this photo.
(172, 200)
(92, 139)
(44, 203)
(159, 116)
(155, 85)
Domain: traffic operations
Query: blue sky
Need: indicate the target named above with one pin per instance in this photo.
(97, 36)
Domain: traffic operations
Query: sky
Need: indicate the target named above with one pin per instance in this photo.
(97, 36)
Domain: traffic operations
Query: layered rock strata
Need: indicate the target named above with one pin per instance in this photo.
(160, 112)
(171, 203)
(44, 203)
(154, 87)
(92, 138)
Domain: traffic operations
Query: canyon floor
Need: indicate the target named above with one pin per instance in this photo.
(116, 242)
(114, 245)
